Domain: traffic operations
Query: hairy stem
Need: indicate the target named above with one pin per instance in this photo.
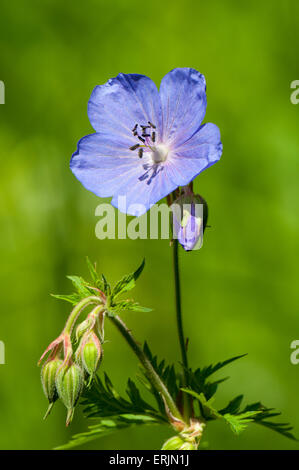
(153, 377)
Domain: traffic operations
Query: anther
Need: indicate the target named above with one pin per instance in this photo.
(145, 135)
(140, 138)
(135, 127)
(153, 136)
(140, 153)
(134, 147)
(151, 124)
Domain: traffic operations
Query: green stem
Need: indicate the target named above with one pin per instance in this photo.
(153, 377)
(77, 310)
(186, 397)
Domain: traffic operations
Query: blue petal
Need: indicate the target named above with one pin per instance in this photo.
(101, 163)
(109, 168)
(201, 151)
(143, 192)
(183, 97)
(124, 101)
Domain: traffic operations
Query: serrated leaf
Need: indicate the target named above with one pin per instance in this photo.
(107, 426)
(240, 421)
(92, 270)
(129, 305)
(106, 286)
(128, 282)
(81, 285)
(267, 413)
(198, 378)
(234, 406)
(72, 298)
(103, 400)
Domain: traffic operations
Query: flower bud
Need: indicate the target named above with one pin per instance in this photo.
(174, 443)
(48, 374)
(190, 214)
(83, 327)
(91, 354)
(69, 384)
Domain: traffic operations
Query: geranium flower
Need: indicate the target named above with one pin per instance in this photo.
(147, 142)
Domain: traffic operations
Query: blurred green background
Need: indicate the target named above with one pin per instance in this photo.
(240, 291)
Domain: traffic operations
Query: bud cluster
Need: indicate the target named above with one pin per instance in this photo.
(72, 362)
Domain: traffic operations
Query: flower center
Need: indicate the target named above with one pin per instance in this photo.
(147, 138)
(159, 153)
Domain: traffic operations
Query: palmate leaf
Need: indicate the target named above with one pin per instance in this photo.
(102, 400)
(107, 426)
(239, 419)
(99, 285)
(127, 282)
(237, 422)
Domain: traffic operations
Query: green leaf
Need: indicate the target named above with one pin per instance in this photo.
(92, 270)
(233, 407)
(102, 400)
(113, 412)
(107, 426)
(128, 305)
(72, 298)
(128, 282)
(106, 286)
(239, 422)
(81, 286)
(198, 378)
(263, 419)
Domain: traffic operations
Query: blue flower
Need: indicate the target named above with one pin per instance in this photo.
(147, 142)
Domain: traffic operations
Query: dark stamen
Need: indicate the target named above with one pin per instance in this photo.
(134, 147)
(153, 136)
(140, 153)
(134, 129)
(135, 133)
(140, 138)
(151, 124)
(145, 135)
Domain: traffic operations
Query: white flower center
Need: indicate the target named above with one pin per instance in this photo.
(159, 153)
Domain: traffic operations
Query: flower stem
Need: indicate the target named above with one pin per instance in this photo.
(77, 310)
(153, 377)
(187, 401)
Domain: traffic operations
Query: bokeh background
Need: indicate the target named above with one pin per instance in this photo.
(240, 291)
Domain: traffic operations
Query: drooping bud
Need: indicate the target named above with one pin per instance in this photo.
(91, 354)
(190, 214)
(69, 384)
(48, 374)
(86, 325)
